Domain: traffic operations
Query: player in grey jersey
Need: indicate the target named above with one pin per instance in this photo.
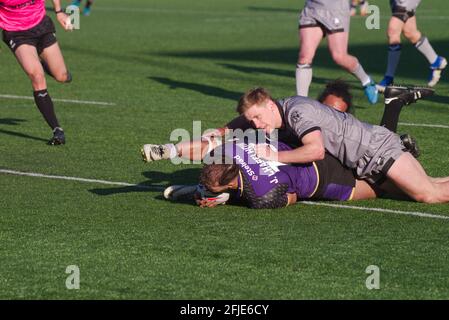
(329, 18)
(374, 152)
(403, 20)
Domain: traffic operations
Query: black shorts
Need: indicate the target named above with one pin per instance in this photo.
(401, 12)
(336, 182)
(40, 36)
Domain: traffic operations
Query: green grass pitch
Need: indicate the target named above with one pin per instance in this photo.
(164, 64)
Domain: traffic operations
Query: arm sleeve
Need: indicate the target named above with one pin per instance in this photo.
(304, 120)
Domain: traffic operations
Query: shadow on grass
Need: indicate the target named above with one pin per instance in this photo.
(201, 88)
(15, 122)
(11, 121)
(373, 57)
(156, 182)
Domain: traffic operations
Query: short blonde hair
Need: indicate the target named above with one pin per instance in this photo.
(251, 97)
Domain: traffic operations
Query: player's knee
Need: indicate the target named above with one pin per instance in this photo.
(339, 57)
(412, 35)
(394, 35)
(305, 60)
(37, 78)
(63, 77)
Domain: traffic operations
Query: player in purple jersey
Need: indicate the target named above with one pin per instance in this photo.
(264, 184)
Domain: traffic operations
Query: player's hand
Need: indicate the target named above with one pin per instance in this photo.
(206, 203)
(64, 21)
(264, 151)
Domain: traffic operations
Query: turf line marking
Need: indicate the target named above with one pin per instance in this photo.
(424, 125)
(9, 96)
(161, 188)
(39, 175)
(408, 213)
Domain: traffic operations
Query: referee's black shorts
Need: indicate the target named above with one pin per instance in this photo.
(40, 36)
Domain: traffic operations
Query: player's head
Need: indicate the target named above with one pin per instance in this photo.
(219, 177)
(337, 95)
(258, 107)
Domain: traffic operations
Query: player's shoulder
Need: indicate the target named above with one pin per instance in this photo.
(297, 107)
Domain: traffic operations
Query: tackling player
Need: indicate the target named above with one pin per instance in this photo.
(30, 34)
(336, 95)
(329, 18)
(403, 21)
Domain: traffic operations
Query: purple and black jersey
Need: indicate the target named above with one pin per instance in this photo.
(265, 184)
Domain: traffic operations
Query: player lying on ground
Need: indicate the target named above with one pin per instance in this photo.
(30, 34)
(373, 152)
(262, 184)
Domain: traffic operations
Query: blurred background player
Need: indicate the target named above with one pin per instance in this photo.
(30, 34)
(330, 18)
(87, 7)
(403, 21)
(362, 4)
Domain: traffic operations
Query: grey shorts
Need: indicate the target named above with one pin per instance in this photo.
(404, 9)
(385, 148)
(329, 21)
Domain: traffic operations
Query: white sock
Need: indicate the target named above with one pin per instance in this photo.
(361, 75)
(303, 79)
(423, 46)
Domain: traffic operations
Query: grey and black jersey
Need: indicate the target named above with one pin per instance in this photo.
(356, 144)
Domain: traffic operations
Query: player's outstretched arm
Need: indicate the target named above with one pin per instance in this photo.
(311, 150)
(193, 150)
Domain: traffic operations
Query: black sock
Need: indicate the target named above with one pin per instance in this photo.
(45, 106)
(390, 118)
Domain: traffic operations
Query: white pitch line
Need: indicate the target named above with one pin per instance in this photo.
(9, 96)
(39, 175)
(160, 188)
(424, 125)
(408, 213)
